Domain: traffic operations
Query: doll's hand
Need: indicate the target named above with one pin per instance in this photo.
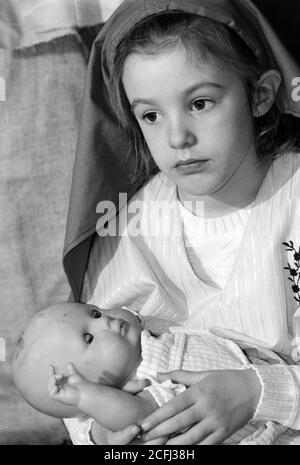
(65, 389)
(134, 386)
(216, 404)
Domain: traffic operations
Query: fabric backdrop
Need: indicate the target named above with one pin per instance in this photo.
(38, 128)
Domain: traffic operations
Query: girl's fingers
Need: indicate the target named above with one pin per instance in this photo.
(197, 433)
(182, 376)
(183, 419)
(123, 437)
(168, 410)
(157, 442)
(211, 440)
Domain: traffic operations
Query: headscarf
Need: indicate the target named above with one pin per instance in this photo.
(105, 160)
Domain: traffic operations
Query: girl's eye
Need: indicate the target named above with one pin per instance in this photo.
(202, 104)
(95, 313)
(88, 338)
(150, 117)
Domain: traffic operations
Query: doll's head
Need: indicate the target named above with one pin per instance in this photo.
(103, 345)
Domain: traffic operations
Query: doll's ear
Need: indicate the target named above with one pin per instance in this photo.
(265, 93)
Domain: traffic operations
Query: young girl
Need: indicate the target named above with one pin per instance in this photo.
(202, 89)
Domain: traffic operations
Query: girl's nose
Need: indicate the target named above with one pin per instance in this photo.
(180, 135)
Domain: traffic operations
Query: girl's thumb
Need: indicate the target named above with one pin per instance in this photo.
(182, 376)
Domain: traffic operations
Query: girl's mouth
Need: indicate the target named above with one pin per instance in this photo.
(191, 166)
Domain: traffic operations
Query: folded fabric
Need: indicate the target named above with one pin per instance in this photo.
(29, 22)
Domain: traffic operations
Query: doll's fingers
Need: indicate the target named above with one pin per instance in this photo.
(53, 391)
(51, 384)
(136, 385)
(51, 370)
(71, 368)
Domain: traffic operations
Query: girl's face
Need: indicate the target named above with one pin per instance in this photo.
(195, 119)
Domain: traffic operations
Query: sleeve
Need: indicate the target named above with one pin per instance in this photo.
(280, 393)
(279, 400)
(163, 392)
(79, 430)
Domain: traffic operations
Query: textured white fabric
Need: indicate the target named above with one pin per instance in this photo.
(151, 273)
(80, 430)
(195, 352)
(199, 352)
(29, 22)
(177, 350)
(212, 243)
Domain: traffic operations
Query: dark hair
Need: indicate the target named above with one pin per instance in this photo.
(275, 132)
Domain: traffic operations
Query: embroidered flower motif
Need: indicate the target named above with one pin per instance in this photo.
(294, 270)
(295, 280)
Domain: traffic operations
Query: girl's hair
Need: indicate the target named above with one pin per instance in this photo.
(215, 43)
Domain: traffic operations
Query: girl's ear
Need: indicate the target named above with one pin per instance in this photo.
(265, 93)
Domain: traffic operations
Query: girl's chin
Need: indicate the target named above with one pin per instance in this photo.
(196, 193)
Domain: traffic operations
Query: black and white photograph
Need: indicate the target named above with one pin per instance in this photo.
(149, 225)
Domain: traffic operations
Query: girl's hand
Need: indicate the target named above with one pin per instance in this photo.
(65, 389)
(216, 404)
(129, 435)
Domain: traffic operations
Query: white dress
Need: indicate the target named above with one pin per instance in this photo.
(158, 276)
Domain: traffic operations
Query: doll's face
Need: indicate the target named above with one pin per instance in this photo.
(103, 345)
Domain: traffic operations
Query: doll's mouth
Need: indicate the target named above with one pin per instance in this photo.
(124, 328)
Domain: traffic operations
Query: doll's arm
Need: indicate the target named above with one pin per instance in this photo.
(111, 407)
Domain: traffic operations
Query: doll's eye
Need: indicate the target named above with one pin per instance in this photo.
(95, 313)
(88, 338)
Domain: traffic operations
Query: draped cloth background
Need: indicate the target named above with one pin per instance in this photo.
(38, 131)
(43, 61)
(38, 124)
